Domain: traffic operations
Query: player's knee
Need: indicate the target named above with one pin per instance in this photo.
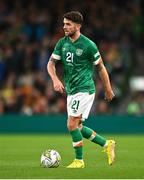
(80, 126)
(70, 126)
(72, 123)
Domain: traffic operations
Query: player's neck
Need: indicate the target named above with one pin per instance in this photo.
(75, 36)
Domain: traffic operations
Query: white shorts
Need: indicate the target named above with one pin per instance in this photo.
(80, 104)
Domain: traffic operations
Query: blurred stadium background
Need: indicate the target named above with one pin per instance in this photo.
(28, 33)
(29, 30)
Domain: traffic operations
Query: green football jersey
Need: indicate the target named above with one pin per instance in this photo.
(78, 58)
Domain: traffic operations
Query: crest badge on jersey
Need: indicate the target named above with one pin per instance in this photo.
(79, 52)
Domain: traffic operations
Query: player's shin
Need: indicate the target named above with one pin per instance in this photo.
(93, 136)
(77, 143)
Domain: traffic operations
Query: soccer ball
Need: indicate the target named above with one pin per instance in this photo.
(50, 158)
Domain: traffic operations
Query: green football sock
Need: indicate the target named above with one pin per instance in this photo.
(77, 143)
(93, 136)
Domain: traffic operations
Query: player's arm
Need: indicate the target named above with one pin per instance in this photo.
(109, 94)
(58, 86)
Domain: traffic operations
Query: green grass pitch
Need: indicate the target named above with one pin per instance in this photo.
(20, 158)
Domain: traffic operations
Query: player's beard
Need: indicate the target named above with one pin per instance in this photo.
(71, 34)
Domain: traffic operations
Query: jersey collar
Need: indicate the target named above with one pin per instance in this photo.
(75, 40)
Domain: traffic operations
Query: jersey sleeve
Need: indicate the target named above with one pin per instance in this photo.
(94, 54)
(57, 51)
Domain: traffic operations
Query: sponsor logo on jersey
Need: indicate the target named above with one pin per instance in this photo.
(70, 64)
(79, 52)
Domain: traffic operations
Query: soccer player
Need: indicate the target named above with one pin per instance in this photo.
(79, 55)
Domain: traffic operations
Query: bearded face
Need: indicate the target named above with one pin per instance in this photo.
(70, 28)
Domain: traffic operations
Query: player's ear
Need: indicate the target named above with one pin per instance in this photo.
(78, 26)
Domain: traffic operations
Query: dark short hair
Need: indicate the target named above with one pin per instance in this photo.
(74, 16)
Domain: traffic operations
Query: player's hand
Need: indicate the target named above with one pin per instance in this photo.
(109, 95)
(58, 86)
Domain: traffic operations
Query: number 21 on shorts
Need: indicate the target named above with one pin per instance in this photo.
(75, 104)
